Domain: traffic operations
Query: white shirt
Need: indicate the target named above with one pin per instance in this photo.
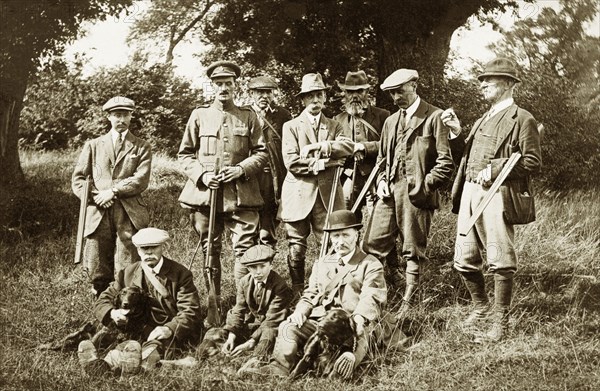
(115, 135)
(498, 107)
(346, 258)
(410, 110)
(156, 269)
(314, 119)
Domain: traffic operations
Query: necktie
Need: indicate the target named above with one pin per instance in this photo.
(316, 128)
(258, 292)
(118, 144)
(339, 266)
(402, 119)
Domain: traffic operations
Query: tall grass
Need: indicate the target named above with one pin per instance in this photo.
(554, 342)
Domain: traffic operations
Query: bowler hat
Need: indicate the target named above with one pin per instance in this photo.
(262, 83)
(223, 69)
(500, 66)
(355, 81)
(312, 82)
(342, 219)
(149, 237)
(399, 77)
(257, 254)
(119, 103)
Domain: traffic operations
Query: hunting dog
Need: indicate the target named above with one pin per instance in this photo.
(335, 334)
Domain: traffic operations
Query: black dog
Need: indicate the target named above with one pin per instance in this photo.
(336, 334)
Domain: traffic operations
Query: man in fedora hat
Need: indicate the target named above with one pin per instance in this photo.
(175, 319)
(271, 117)
(349, 279)
(119, 164)
(416, 162)
(222, 149)
(504, 129)
(311, 154)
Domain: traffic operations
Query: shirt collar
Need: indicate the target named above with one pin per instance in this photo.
(313, 118)
(498, 107)
(259, 110)
(156, 269)
(114, 135)
(346, 258)
(410, 110)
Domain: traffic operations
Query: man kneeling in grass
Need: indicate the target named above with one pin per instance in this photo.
(174, 321)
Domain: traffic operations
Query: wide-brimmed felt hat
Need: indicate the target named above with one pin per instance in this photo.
(500, 66)
(355, 81)
(342, 219)
(119, 103)
(262, 83)
(399, 77)
(257, 254)
(312, 82)
(223, 69)
(150, 237)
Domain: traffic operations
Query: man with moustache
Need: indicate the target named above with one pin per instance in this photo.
(417, 161)
(174, 320)
(311, 153)
(504, 129)
(119, 165)
(271, 118)
(230, 137)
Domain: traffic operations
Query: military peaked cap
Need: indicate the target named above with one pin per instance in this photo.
(223, 69)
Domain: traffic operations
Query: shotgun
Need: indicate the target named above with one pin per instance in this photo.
(85, 192)
(213, 316)
(367, 185)
(332, 195)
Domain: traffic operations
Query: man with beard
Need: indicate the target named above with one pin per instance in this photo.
(271, 118)
(503, 130)
(311, 155)
(175, 318)
(119, 165)
(222, 150)
(417, 161)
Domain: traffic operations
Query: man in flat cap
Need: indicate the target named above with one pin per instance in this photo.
(119, 165)
(349, 279)
(175, 320)
(311, 153)
(222, 149)
(416, 162)
(503, 130)
(271, 118)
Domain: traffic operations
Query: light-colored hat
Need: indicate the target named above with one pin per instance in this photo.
(355, 81)
(119, 103)
(262, 83)
(342, 219)
(223, 69)
(500, 66)
(257, 254)
(399, 77)
(149, 237)
(312, 82)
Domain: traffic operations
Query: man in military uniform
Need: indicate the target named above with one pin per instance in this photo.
(271, 118)
(311, 155)
(417, 161)
(222, 149)
(119, 164)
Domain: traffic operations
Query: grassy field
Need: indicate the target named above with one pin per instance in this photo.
(554, 341)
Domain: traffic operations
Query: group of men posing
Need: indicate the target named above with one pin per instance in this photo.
(267, 167)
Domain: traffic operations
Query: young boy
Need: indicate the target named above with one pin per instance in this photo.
(261, 304)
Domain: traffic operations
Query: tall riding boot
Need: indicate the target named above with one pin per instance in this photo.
(503, 287)
(216, 279)
(412, 285)
(393, 276)
(296, 269)
(475, 284)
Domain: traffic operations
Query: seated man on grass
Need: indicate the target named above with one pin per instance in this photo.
(174, 320)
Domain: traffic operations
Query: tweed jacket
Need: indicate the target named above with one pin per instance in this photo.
(232, 135)
(269, 312)
(375, 117)
(128, 173)
(180, 311)
(362, 291)
(429, 163)
(301, 186)
(517, 132)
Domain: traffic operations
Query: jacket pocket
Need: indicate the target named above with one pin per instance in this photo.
(208, 145)
(241, 136)
(519, 206)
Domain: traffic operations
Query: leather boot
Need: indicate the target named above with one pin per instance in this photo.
(216, 276)
(412, 285)
(503, 287)
(393, 274)
(296, 269)
(475, 284)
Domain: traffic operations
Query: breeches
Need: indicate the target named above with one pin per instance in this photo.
(268, 214)
(297, 231)
(490, 236)
(109, 249)
(397, 216)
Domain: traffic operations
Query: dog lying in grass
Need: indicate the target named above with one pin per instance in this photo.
(133, 299)
(336, 334)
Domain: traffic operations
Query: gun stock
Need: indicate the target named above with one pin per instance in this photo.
(85, 192)
(367, 185)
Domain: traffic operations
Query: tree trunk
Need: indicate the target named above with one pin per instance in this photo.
(11, 103)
